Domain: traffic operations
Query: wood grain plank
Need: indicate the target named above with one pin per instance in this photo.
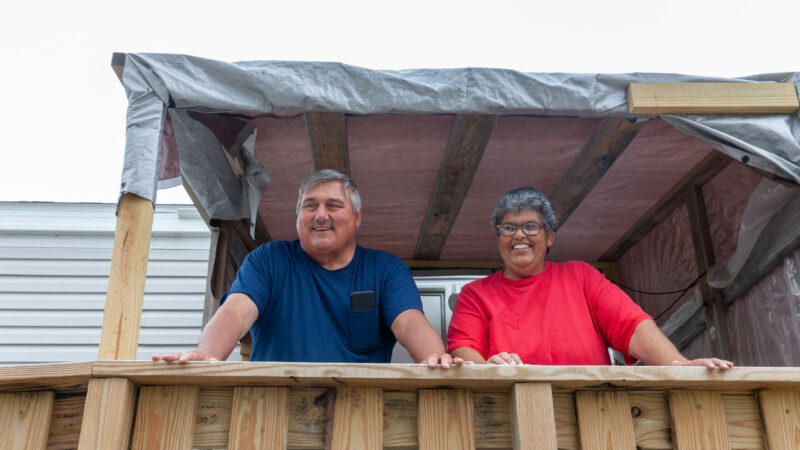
(698, 420)
(119, 337)
(25, 419)
(781, 415)
(468, 139)
(705, 170)
(651, 426)
(445, 419)
(59, 377)
(533, 419)
(165, 417)
(604, 420)
(327, 135)
(566, 420)
(108, 414)
(743, 420)
(712, 98)
(65, 427)
(492, 419)
(357, 418)
(259, 418)
(213, 421)
(608, 141)
(400, 416)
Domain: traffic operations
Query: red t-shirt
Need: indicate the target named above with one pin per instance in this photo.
(567, 315)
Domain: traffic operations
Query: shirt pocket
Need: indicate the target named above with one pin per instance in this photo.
(364, 330)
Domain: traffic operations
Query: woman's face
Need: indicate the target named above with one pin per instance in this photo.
(523, 255)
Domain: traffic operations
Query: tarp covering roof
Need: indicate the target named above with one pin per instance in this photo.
(399, 126)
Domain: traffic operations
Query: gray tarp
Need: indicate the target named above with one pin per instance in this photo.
(157, 83)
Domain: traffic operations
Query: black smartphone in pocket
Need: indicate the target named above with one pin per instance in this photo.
(362, 300)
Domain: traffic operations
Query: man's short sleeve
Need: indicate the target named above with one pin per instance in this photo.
(399, 292)
(253, 278)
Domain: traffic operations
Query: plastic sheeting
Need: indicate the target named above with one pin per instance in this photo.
(158, 83)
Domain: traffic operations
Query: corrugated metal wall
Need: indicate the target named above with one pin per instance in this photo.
(54, 265)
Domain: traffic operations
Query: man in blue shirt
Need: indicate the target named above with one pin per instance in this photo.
(322, 298)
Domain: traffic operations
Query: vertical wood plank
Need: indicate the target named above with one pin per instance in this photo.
(742, 417)
(165, 417)
(781, 415)
(532, 415)
(650, 416)
(259, 418)
(108, 414)
(357, 418)
(25, 419)
(119, 337)
(445, 419)
(604, 420)
(566, 420)
(698, 420)
(65, 427)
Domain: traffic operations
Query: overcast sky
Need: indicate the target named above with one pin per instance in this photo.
(62, 120)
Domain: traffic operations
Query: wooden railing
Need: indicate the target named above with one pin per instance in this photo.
(144, 405)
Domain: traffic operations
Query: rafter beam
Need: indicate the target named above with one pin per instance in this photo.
(712, 98)
(605, 145)
(705, 170)
(327, 135)
(465, 146)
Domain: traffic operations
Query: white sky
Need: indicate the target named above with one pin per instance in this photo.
(62, 109)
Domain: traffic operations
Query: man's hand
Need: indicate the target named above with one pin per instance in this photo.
(191, 355)
(710, 363)
(505, 359)
(445, 359)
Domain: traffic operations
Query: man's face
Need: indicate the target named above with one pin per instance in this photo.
(523, 255)
(326, 224)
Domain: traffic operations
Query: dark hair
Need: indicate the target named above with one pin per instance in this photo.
(523, 199)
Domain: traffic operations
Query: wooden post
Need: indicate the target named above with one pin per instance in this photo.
(165, 418)
(532, 416)
(259, 418)
(781, 416)
(25, 419)
(357, 418)
(108, 414)
(446, 419)
(698, 420)
(704, 254)
(119, 338)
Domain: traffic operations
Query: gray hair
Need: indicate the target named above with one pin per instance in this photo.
(523, 199)
(322, 176)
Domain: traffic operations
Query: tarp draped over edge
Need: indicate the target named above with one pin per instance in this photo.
(157, 84)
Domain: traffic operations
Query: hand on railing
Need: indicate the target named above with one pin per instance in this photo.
(191, 355)
(710, 363)
(446, 360)
(505, 359)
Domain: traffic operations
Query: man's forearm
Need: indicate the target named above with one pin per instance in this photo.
(413, 331)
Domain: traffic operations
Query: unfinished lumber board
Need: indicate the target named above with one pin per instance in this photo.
(781, 415)
(357, 418)
(259, 418)
(119, 337)
(213, 418)
(533, 418)
(327, 136)
(445, 419)
(743, 421)
(604, 420)
(59, 377)
(25, 419)
(65, 427)
(165, 417)
(108, 414)
(492, 419)
(712, 98)
(566, 420)
(698, 420)
(650, 416)
(400, 418)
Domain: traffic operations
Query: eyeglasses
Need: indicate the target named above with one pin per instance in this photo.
(528, 228)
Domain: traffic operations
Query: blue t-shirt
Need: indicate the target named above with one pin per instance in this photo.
(304, 309)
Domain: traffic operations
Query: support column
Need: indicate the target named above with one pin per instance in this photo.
(119, 338)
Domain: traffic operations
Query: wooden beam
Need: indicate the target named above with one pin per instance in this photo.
(327, 134)
(242, 228)
(25, 419)
(108, 414)
(468, 139)
(445, 419)
(781, 415)
(712, 98)
(60, 377)
(119, 337)
(259, 418)
(704, 255)
(357, 418)
(165, 417)
(533, 416)
(698, 420)
(217, 269)
(705, 170)
(604, 420)
(779, 238)
(611, 137)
